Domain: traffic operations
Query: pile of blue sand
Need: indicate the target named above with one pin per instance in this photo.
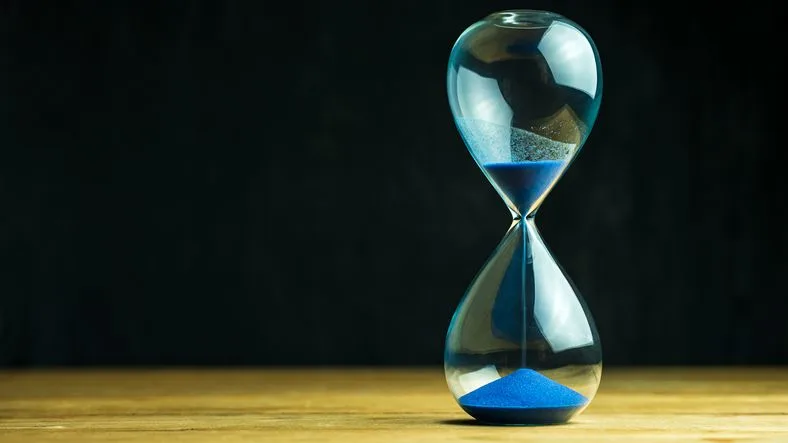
(521, 398)
(525, 181)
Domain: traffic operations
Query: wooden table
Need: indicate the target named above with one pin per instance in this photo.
(371, 405)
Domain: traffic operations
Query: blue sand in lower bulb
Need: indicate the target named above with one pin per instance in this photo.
(524, 182)
(521, 398)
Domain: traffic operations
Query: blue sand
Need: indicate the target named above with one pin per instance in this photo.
(521, 398)
(524, 182)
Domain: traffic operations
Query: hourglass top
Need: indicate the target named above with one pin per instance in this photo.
(524, 89)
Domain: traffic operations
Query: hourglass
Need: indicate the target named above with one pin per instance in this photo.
(524, 89)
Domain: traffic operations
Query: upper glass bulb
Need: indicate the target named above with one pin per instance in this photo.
(524, 88)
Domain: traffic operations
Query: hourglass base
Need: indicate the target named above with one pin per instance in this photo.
(524, 397)
(522, 416)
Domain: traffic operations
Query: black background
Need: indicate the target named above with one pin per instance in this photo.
(271, 183)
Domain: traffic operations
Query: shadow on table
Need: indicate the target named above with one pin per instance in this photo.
(472, 422)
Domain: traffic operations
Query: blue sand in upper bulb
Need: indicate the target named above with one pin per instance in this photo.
(523, 397)
(524, 182)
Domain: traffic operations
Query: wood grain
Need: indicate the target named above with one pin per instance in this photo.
(375, 405)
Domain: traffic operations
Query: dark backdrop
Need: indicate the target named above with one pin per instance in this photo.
(274, 183)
